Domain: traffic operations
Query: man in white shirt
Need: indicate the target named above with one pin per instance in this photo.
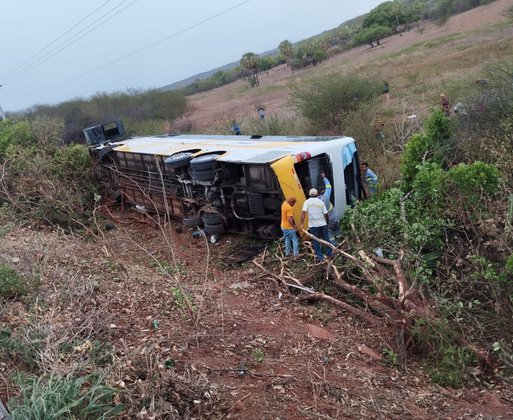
(317, 223)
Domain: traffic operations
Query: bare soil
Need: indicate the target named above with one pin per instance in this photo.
(315, 361)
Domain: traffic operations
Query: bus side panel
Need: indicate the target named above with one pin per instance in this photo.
(289, 183)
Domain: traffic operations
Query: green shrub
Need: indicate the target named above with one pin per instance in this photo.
(72, 161)
(509, 264)
(12, 284)
(474, 180)
(14, 133)
(431, 145)
(70, 397)
(22, 346)
(446, 361)
(429, 182)
(324, 102)
(48, 183)
(378, 222)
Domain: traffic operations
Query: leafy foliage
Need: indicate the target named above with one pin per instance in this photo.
(45, 181)
(475, 180)
(324, 102)
(431, 145)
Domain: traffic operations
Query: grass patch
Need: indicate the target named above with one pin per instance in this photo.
(22, 346)
(12, 284)
(435, 43)
(55, 397)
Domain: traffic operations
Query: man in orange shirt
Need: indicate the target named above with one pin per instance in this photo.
(289, 227)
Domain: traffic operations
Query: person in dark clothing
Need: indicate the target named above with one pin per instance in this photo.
(236, 128)
(261, 113)
(386, 90)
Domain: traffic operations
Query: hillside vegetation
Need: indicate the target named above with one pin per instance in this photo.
(108, 313)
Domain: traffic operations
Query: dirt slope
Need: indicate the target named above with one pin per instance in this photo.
(313, 363)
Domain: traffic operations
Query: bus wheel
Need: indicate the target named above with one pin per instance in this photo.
(178, 160)
(204, 163)
(206, 175)
(214, 229)
(192, 221)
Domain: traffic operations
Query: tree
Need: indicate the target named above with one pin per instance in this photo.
(250, 63)
(371, 35)
(287, 51)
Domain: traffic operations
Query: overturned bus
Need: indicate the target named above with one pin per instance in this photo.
(229, 183)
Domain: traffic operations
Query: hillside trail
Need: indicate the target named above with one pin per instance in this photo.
(264, 355)
(238, 101)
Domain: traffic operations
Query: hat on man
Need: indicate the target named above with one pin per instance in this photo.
(313, 192)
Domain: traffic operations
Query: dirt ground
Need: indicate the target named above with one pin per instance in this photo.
(252, 353)
(239, 101)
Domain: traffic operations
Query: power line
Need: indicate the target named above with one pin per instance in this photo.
(188, 28)
(54, 41)
(73, 39)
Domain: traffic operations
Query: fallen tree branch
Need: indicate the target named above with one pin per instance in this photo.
(345, 306)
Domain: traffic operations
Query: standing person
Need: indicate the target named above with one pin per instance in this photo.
(378, 125)
(289, 227)
(317, 223)
(386, 90)
(261, 112)
(333, 222)
(236, 128)
(445, 104)
(370, 179)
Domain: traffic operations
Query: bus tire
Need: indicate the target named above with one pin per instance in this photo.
(178, 160)
(204, 163)
(213, 229)
(207, 175)
(212, 219)
(192, 221)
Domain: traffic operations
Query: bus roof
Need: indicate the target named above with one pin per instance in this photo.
(246, 149)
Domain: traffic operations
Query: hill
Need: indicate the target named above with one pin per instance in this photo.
(419, 64)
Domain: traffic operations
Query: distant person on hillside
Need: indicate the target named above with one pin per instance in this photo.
(386, 90)
(445, 104)
(261, 112)
(236, 128)
(370, 180)
(378, 125)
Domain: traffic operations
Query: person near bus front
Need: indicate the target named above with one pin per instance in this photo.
(289, 227)
(370, 179)
(317, 223)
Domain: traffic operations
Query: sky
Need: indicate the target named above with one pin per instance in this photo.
(57, 50)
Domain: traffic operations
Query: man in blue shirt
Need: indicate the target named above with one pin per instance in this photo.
(370, 178)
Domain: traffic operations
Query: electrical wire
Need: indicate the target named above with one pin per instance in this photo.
(54, 41)
(71, 40)
(137, 51)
